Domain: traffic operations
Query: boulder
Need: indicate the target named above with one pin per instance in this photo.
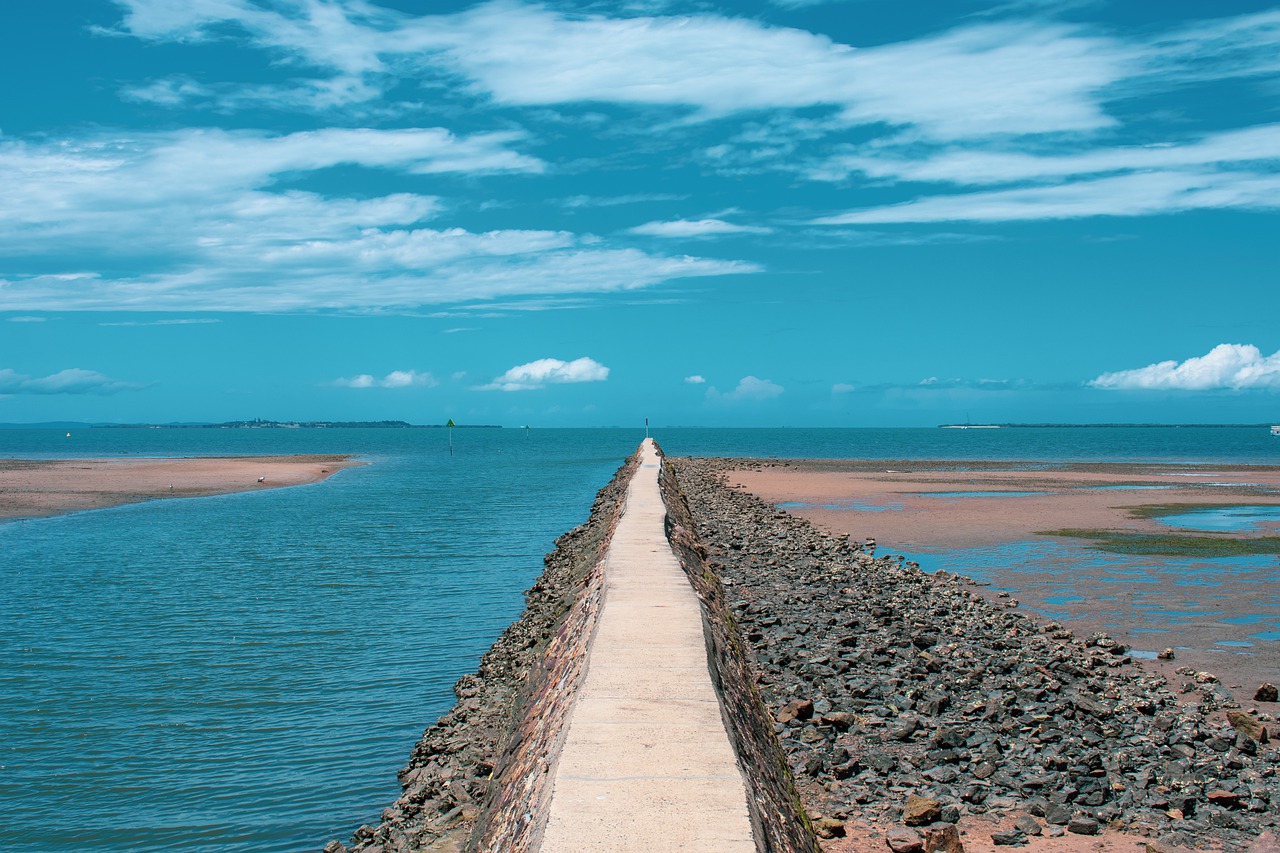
(903, 840)
(943, 839)
(1248, 725)
(1266, 693)
(920, 811)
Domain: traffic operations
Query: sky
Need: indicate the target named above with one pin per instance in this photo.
(773, 213)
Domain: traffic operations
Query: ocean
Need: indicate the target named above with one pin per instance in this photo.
(248, 672)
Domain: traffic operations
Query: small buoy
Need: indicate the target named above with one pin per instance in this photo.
(68, 435)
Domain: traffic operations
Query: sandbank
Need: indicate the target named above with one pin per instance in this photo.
(1210, 618)
(31, 488)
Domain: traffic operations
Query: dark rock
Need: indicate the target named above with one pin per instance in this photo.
(1028, 824)
(1008, 837)
(1265, 693)
(1081, 825)
(1056, 814)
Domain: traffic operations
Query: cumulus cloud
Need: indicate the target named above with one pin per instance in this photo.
(1227, 366)
(696, 228)
(548, 371)
(394, 379)
(750, 388)
(71, 381)
(695, 379)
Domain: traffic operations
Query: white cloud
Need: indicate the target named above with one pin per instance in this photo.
(71, 381)
(199, 212)
(1125, 195)
(23, 318)
(195, 321)
(969, 166)
(749, 388)
(1226, 366)
(694, 380)
(696, 228)
(394, 379)
(843, 388)
(548, 371)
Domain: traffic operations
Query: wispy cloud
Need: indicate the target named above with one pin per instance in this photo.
(200, 212)
(1227, 366)
(696, 228)
(71, 381)
(394, 379)
(843, 388)
(548, 371)
(189, 321)
(749, 389)
(695, 379)
(25, 318)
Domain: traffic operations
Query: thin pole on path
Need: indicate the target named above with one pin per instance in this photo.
(646, 427)
(450, 426)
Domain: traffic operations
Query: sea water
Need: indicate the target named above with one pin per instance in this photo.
(248, 672)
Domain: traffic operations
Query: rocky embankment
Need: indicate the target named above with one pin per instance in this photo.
(477, 774)
(901, 697)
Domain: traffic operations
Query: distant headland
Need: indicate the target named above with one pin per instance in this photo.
(257, 423)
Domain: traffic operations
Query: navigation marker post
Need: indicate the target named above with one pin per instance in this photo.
(450, 425)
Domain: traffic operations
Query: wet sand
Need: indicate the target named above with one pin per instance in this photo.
(1209, 611)
(31, 488)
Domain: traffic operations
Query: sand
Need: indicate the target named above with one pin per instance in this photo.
(32, 488)
(1146, 602)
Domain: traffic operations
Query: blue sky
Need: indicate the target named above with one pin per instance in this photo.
(859, 213)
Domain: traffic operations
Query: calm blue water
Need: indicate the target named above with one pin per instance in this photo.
(247, 672)
(1227, 519)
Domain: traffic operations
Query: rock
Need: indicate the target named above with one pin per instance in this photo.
(903, 840)
(1081, 825)
(1057, 815)
(1266, 693)
(1008, 837)
(1028, 824)
(800, 709)
(829, 827)
(335, 847)
(943, 839)
(1248, 725)
(1226, 799)
(920, 811)
(1267, 842)
(1167, 654)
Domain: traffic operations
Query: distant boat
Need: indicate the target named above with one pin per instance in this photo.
(1275, 430)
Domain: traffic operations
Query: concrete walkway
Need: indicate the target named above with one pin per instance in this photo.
(647, 764)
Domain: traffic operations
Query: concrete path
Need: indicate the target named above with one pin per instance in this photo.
(647, 764)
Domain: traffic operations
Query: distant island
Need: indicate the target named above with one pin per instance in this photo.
(1102, 426)
(258, 423)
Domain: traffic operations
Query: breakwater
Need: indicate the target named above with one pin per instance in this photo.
(902, 697)
(861, 695)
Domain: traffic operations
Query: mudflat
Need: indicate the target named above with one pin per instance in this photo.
(32, 488)
(1211, 617)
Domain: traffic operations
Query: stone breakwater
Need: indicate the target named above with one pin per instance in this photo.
(901, 697)
(779, 822)
(478, 776)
